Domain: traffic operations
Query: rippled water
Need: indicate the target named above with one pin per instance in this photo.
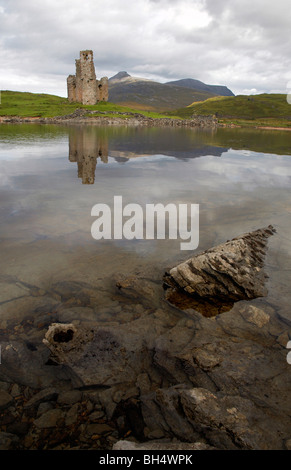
(51, 176)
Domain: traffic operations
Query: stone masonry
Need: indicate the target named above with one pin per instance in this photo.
(83, 87)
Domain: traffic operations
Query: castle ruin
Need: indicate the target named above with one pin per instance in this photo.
(83, 87)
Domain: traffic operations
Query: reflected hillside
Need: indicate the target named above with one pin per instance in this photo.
(27, 133)
(182, 144)
(255, 140)
(87, 144)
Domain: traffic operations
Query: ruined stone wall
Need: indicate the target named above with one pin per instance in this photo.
(102, 89)
(78, 82)
(71, 84)
(83, 87)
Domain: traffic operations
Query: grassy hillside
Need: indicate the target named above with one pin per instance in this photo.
(264, 109)
(14, 103)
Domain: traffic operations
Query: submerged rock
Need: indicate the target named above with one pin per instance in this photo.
(100, 356)
(229, 272)
(166, 378)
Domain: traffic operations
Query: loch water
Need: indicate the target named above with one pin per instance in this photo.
(51, 176)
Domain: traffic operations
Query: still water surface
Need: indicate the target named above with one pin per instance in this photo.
(52, 176)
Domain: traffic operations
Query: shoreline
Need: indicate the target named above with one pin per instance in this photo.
(274, 128)
(136, 119)
(132, 119)
(241, 126)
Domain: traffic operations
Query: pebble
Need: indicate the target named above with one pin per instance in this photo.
(89, 406)
(93, 396)
(143, 383)
(15, 390)
(44, 407)
(98, 428)
(72, 415)
(283, 339)
(155, 434)
(96, 415)
(5, 399)
(69, 397)
(49, 419)
(44, 395)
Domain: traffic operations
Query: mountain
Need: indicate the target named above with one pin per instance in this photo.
(119, 76)
(146, 94)
(218, 90)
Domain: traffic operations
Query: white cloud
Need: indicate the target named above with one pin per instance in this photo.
(242, 44)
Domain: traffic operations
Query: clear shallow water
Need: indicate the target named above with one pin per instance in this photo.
(52, 176)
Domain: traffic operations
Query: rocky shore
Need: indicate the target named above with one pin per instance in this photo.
(222, 383)
(83, 116)
(154, 377)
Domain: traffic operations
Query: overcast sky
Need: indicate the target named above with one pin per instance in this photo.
(243, 44)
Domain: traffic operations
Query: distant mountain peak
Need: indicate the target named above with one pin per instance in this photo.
(123, 78)
(120, 76)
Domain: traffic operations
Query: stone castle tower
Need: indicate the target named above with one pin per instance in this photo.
(83, 87)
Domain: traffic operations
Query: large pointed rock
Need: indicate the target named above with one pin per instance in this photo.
(228, 272)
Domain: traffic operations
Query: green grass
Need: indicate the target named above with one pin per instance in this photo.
(25, 104)
(248, 111)
(255, 110)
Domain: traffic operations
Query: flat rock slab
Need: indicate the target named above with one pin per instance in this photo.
(102, 356)
(229, 272)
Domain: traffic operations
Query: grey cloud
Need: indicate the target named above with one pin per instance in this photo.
(242, 44)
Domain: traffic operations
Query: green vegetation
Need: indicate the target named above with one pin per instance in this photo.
(266, 110)
(255, 110)
(24, 104)
(255, 140)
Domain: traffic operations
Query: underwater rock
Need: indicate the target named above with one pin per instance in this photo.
(99, 356)
(230, 272)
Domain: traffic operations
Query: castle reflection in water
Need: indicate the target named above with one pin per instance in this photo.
(87, 144)
(84, 149)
